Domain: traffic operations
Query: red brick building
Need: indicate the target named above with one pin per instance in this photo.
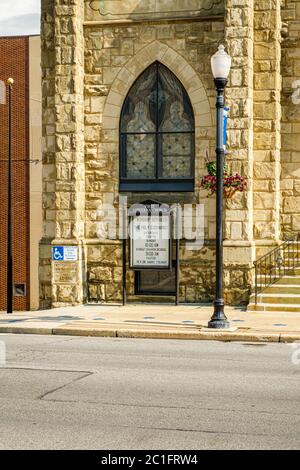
(16, 62)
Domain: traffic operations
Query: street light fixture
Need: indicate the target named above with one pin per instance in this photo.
(9, 284)
(220, 65)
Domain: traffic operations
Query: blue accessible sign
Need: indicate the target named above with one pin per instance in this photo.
(64, 253)
(225, 121)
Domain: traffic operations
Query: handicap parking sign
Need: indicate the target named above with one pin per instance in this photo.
(64, 253)
(58, 253)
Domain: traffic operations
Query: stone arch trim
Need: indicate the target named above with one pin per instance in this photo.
(137, 64)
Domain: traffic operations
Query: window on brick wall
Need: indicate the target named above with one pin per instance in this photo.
(157, 134)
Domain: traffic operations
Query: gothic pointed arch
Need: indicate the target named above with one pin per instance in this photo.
(157, 134)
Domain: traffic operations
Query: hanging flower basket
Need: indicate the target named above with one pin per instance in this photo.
(229, 192)
(232, 183)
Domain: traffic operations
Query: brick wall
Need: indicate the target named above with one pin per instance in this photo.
(14, 63)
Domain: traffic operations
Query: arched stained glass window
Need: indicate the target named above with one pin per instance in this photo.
(157, 134)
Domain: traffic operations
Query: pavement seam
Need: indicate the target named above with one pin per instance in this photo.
(43, 369)
(86, 374)
(162, 407)
(198, 431)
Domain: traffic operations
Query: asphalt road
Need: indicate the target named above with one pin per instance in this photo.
(92, 393)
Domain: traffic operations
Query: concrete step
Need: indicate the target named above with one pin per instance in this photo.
(292, 281)
(293, 260)
(272, 307)
(283, 294)
(282, 289)
(278, 274)
(274, 298)
(288, 280)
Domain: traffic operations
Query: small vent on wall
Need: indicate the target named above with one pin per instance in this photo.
(20, 290)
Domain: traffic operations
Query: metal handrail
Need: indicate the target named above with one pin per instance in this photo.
(278, 262)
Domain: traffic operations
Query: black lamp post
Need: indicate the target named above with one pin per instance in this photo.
(9, 285)
(220, 64)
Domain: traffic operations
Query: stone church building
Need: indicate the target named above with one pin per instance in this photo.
(129, 110)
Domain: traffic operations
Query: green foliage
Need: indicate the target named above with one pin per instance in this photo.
(231, 182)
(212, 168)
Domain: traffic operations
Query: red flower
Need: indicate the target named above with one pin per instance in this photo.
(234, 181)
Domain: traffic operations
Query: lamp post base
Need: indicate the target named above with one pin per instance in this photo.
(219, 324)
(219, 320)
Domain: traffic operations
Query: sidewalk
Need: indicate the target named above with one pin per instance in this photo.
(154, 321)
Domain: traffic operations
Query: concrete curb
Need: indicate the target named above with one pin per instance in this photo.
(25, 330)
(237, 336)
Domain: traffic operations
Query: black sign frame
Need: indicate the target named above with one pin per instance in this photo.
(144, 209)
(153, 267)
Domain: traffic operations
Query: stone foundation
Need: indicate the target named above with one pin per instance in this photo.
(197, 276)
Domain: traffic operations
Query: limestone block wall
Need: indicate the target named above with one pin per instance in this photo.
(238, 244)
(290, 125)
(132, 10)
(63, 151)
(93, 51)
(267, 128)
(114, 58)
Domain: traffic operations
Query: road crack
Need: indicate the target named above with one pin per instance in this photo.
(83, 376)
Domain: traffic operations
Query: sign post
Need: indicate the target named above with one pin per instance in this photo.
(9, 275)
(177, 237)
(124, 255)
